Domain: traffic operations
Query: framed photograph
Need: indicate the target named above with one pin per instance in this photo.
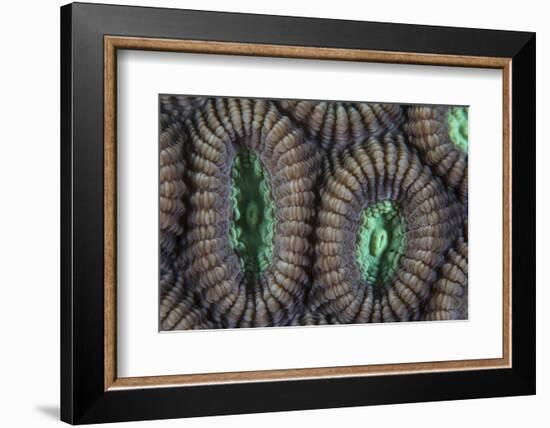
(265, 213)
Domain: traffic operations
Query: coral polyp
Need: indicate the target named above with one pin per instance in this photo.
(371, 172)
(287, 212)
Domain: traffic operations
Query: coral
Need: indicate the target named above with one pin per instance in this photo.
(235, 145)
(448, 299)
(177, 310)
(171, 205)
(286, 212)
(338, 124)
(379, 171)
(440, 134)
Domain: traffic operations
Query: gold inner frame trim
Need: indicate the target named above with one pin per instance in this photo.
(113, 43)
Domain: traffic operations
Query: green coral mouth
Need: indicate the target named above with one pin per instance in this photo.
(457, 119)
(381, 242)
(252, 224)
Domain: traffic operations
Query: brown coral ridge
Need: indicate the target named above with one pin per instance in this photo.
(327, 162)
(180, 107)
(427, 129)
(335, 125)
(449, 296)
(177, 308)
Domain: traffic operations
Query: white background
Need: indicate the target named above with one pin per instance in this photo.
(29, 226)
(142, 351)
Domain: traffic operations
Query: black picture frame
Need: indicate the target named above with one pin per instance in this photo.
(83, 396)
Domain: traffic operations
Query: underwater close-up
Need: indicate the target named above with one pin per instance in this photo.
(292, 213)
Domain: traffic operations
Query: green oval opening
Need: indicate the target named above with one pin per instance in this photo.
(381, 242)
(252, 224)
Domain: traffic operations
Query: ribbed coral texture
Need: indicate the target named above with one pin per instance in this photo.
(284, 212)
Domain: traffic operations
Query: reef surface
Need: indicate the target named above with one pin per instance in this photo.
(285, 212)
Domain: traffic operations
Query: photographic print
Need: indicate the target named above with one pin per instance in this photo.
(301, 212)
(285, 215)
